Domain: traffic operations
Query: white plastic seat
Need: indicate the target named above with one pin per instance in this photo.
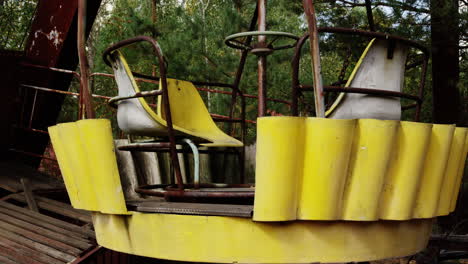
(374, 70)
(190, 117)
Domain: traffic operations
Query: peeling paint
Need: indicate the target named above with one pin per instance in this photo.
(54, 35)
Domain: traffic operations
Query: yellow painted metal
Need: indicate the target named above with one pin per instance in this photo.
(461, 168)
(405, 169)
(188, 111)
(85, 152)
(434, 171)
(66, 170)
(359, 170)
(326, 156)
(239, 240)
(277, 186)
(76, 162)
(451, 174)
(370, 156)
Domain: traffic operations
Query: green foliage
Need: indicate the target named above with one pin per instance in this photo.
(15, 20)
(191, 34)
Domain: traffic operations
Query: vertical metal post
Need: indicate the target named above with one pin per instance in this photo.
(84, 64)
(33, 109)
(422, 83)
(315, 53)
(370, 17)
(262, 61)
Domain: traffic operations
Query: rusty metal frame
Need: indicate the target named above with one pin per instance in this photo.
(298, 88)
(171, 192)
(167, 109)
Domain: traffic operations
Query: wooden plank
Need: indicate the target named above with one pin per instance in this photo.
(29, 195)
(44, 224)
(57, 207)
(23, 250)
(69, 240)
(18, 257)
(41, 239)
(48, 219)
(37, 246)
(5, 260)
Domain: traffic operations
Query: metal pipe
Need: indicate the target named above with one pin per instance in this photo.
(84, 64)
(74, 73)
(262, 61)
(61, 92)
(33, 109)
(295, 74)
(315, 54)
(196, 162)
(370, 17)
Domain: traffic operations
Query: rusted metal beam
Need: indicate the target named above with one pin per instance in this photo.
(85, 92)
(51, 43)
(315, 54)
(370, 16)
(262, 61)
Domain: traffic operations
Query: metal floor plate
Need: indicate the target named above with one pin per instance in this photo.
(161, 206)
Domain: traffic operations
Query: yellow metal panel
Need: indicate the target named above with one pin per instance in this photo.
(65, 169)
(370, 156)
(403, 178)
(327, 148)
(189, 112)
(239, 240)
(77, 160)
(279, 142)
(451, 173)
(434, 171)
(97, 140)
(85, 152)
(461, 169)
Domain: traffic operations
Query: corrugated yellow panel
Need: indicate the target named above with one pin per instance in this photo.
(451, 172)
(239, 240)
(97, 140)
(461, 169)
(280, 142)
(327, 150)
(85, 152)
(403, 178)
(65, 168)
(76, 158)
(373, 142)
(434, 171)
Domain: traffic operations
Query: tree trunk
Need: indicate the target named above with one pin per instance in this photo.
(445, 58)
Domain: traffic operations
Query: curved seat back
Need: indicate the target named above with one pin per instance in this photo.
(188, 111)
(374, 70)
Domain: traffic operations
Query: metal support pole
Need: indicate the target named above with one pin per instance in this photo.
(315, 53)
(262, 62)
(370, 17)
(84, 64)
